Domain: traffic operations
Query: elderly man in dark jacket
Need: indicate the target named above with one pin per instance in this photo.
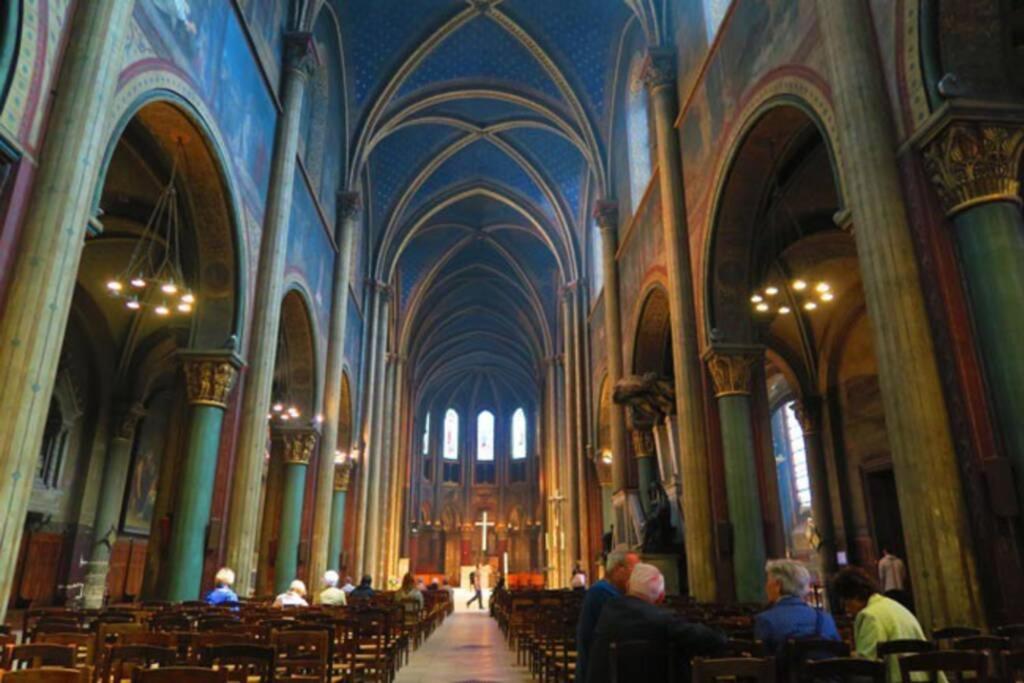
(637, 616)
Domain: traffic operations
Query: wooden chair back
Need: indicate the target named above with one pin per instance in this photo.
(160, 639)
(35, 655)
(306, 653)
(108, 633)
(955, 665)
(845, 669)
(170, 622)
(1013, 665)
(121, 660)
(179, 674)
(742, 669)
(904, 647)
(242, 662)
(982, 643)
(736, 647)
(947, 633)
(84, 644)
(640, 660)
(47, 675)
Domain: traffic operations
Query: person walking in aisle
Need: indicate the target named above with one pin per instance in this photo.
(474, 584)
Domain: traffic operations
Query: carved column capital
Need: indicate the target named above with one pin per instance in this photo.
(343, 475)
(808, 413)
(297, 445)
(349, 205)
(659, 68)
(210, 376)
(731, 368)
(972, 162)
(606, 213)
(643, 442)
(300, 53)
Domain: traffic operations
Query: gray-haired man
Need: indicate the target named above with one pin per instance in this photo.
(618, 567)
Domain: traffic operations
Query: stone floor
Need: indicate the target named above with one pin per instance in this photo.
(468, 648)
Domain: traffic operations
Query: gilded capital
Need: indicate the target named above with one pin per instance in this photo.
(209, 378)
(973, 163)
(300, 53)
(659, 68)
(297, 445)
(643, 443)
(731, 369)
(342, 475)
(606, 213)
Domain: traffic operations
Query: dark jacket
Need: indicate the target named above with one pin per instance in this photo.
(631, 618)
(593, 602)
(362, 591)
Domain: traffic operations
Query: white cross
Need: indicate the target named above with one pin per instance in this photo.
(483, 531)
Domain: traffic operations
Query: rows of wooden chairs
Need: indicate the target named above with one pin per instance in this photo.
(159, 642)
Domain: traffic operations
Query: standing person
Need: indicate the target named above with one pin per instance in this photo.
(618, 567)
(295, 596)
(639, 616)
(331, 595)
(474, 584)
(892, 575)
(224, 579)
(877, 619)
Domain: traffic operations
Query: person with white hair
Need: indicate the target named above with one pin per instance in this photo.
(639, 616)
(224, 579)
(617, 568)
(295, 596)
(331, 595)
(787, 583)
(579, 582)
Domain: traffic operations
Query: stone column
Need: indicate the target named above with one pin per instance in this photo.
(808, 412)
(370, 392)
(342, 477)
(376, 455)
(109, 503)
(38, 301)
(297, 451)
(551, 467)
(348, 224)
(973, 166)
(578, 402)
(646, 466)
(730, 369)
(397, 470)
(607, 215)
(209, 378)
(693, 462)
(925, 462)
(243, 525)
(569, 481)
(387, 467)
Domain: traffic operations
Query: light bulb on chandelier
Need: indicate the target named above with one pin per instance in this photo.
(799, 292)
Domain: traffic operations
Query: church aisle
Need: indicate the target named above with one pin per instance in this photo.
(468, 647)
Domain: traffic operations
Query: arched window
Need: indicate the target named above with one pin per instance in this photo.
(426, 435)
(485, 436)
(451, 435)
(596, 264)
(638, 134)
(714, 13)
(519, 434)
(798, 455)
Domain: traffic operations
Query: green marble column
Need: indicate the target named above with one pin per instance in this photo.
(297, 451)
(45, 263)
(109, 504)
(731, 373)
(209, 378)
(348, 224)
(342, 477)
(974, 168)
(689, 378)
(243, 513)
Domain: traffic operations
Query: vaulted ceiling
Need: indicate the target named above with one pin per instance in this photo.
(479, 138)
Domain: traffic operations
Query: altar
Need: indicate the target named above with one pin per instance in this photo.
(486, 575)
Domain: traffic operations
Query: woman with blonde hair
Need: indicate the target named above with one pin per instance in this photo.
(295, 596)
(224, 579)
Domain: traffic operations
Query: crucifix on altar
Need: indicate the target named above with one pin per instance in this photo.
(483, 524)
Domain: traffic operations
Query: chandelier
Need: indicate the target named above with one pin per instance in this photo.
(153, 278)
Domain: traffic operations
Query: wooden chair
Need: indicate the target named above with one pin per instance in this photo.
(747, 669)
(179, 674)
(84, 644)
(108, 633)
(948, 633)
(949, 662)
(735, 647)
(1015, 632)
(1013, 665)
(242, 663)
(991, 646)
(170, 622)
(47, 675)
(35, 655)
(640, 660)
(121, 660)
(159, 639)
(216, 622)
(302, 653)
(904, 647)
(797, 653)
(845, 669)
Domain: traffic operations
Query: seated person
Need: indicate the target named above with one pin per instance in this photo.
(224, 579)
(331, 595)
(617, 568)
(363, 590)
(787, 583)
(409, 595)
(295, 596)
(578, 582)
(877, 619)
(348, 586)
(637, 616)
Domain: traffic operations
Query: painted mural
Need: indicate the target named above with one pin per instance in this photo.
(145, 472)
(310, 257)
(267, 21)
(206, 41)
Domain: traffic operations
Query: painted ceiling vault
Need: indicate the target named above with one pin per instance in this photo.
(478, 137)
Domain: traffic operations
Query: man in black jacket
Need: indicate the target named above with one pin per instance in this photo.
(637, 616)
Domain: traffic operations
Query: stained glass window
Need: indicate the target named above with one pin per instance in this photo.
(519, 435)
(426, 435)
(485, 436)
(451, 435)
(638, 134)
(798, 453)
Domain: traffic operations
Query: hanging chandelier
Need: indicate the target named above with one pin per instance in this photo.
(782, 298)
(153, 279)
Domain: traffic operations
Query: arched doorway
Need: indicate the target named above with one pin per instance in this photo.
(119, 412)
